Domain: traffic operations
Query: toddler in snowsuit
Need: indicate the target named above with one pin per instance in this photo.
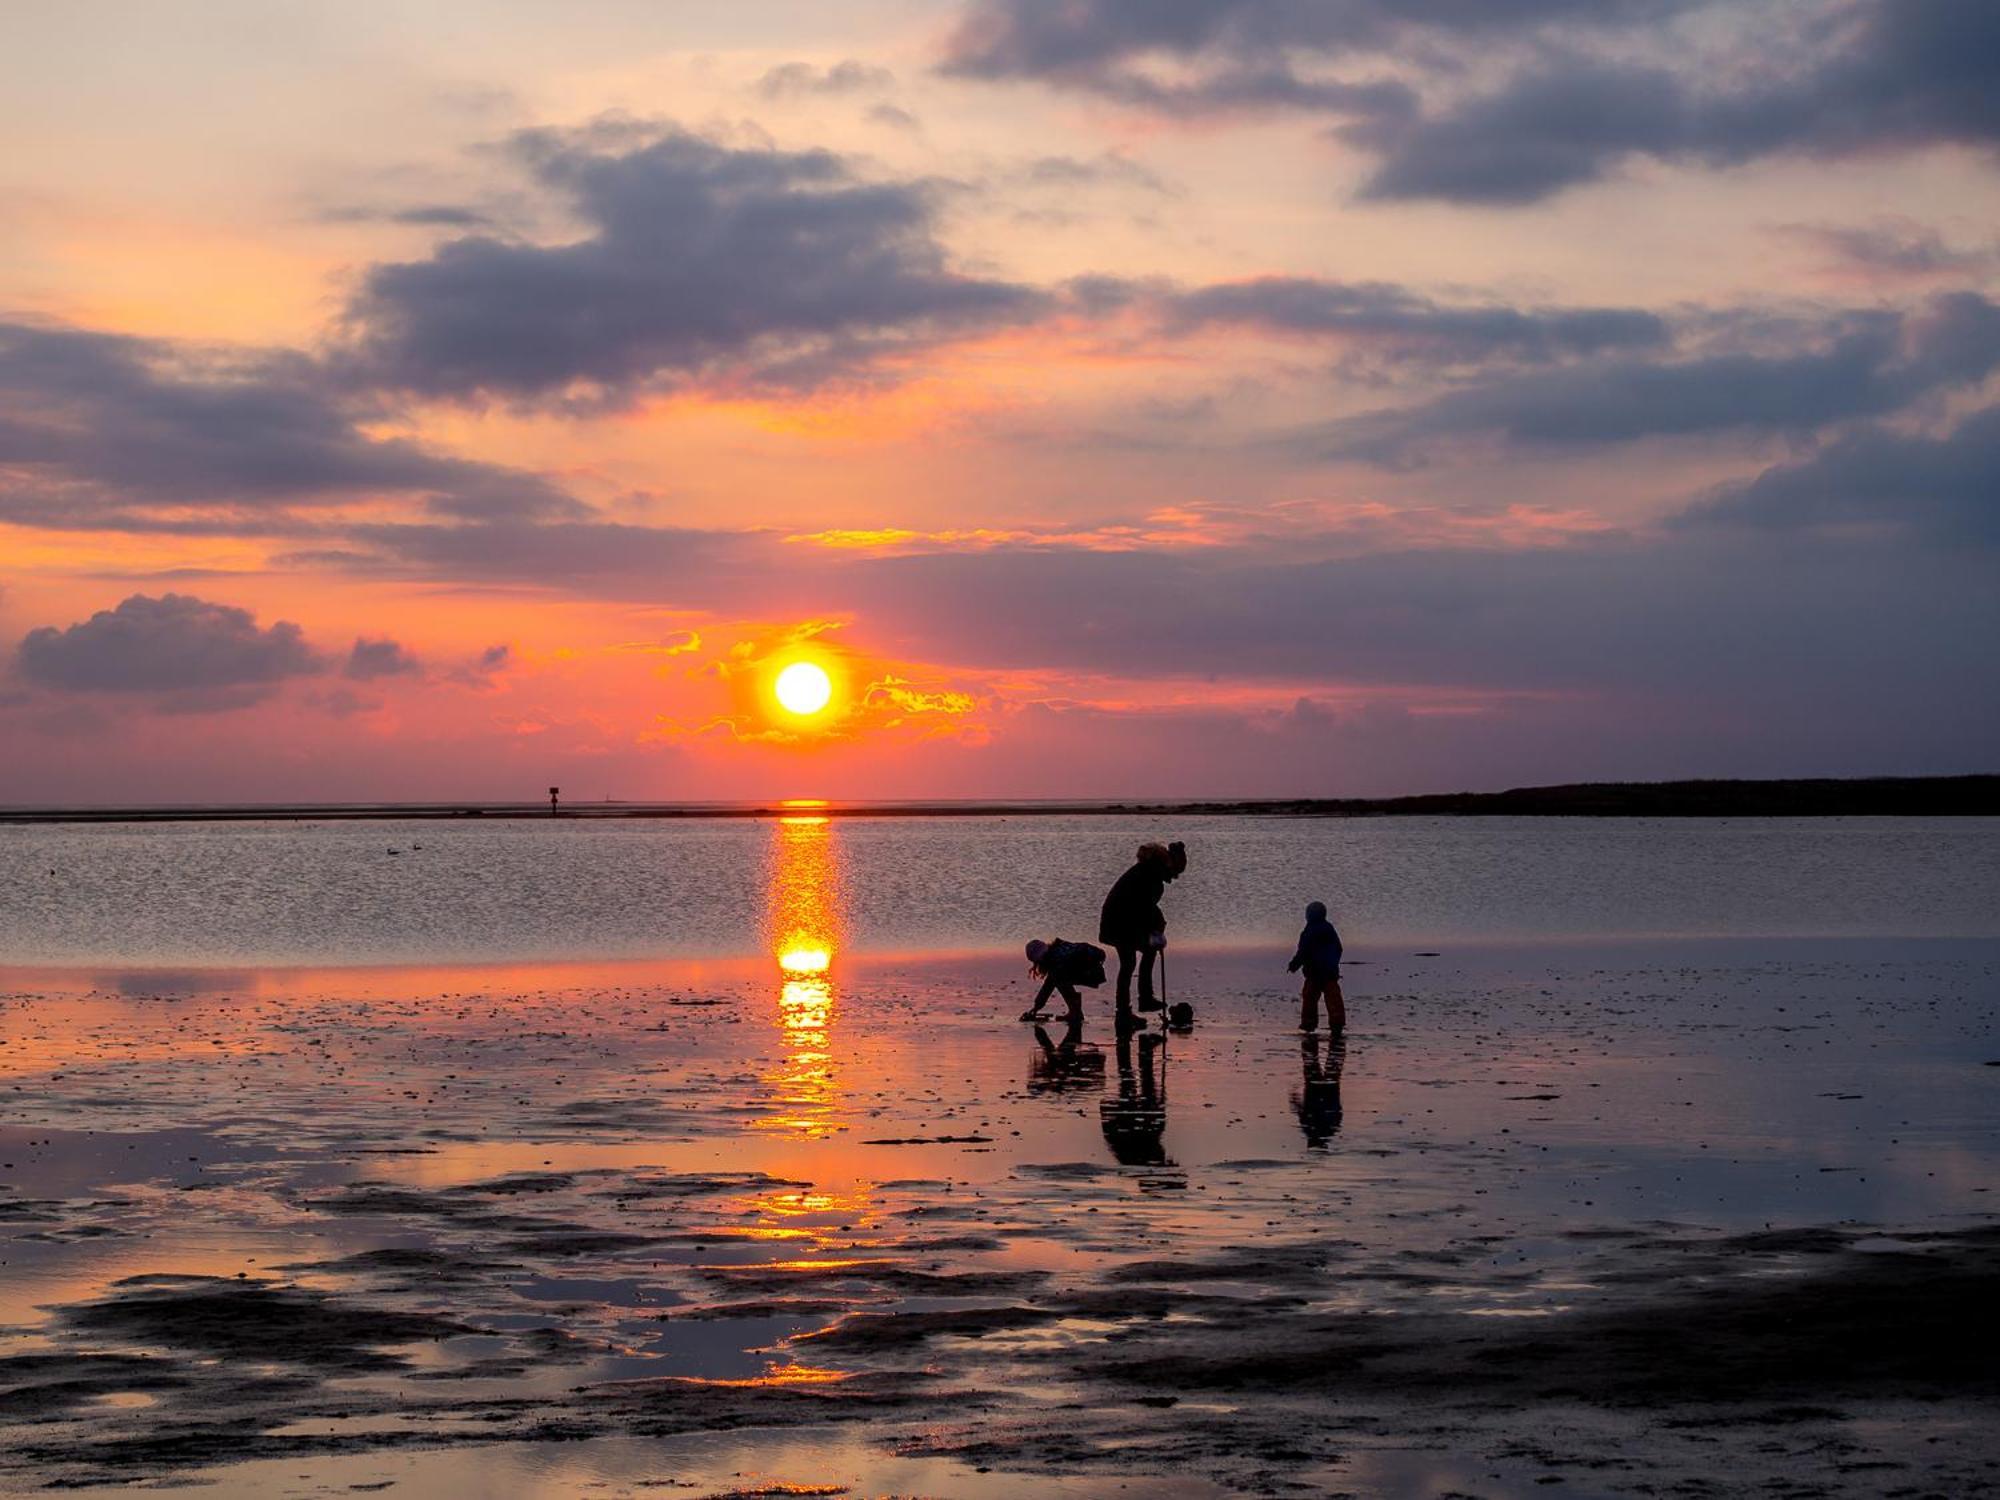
(1318, 956)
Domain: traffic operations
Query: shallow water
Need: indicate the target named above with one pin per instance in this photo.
(751, 1179)
(303, 893)
(812, 1212)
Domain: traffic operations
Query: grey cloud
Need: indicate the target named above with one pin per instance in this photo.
(1867, 365)
(1274, 86)
(1759, 629)
(1905, 74)
(1759, 624)
(1108, 168)
(371, 659)
(893, 117)
(419, 215)
(1545, 132)
(99, 430)
(484, 669)
(1724, 613)
(1080, 41)
(1892, 248)
(700, 259)
(1416, 325)
(792, 80)
(1945, 488)
(1826, 78)
(623, 560)
(444, 215)
(205, 656)
(344, 703)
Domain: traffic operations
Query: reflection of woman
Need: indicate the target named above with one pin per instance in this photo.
(1133, 924)
(1135, 1120)
(1066, 1064)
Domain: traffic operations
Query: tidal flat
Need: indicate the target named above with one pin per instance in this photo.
(1640, 1217)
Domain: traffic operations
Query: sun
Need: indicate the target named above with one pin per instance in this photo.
(804, 688)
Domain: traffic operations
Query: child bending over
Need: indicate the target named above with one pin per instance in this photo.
(1062, 966)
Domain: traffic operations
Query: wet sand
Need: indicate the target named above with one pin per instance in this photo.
(1672, 1218)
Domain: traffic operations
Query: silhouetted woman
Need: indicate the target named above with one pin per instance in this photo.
(1134, 926)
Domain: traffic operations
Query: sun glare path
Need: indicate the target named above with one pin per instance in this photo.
(804, 918)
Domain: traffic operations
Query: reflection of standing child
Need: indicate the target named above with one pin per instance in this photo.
(1318, 956)
(1062, 967)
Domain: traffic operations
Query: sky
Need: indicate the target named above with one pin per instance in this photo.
(1117, 398)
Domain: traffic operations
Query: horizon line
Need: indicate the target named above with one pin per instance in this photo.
(1963, 794)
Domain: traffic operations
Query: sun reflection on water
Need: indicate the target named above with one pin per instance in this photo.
(805, 936)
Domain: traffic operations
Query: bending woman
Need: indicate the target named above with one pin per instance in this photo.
(1134, 926)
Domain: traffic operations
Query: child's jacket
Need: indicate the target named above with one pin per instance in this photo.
(1074, 963)
(1318, 952)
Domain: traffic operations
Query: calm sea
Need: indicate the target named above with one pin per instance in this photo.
(333, 893)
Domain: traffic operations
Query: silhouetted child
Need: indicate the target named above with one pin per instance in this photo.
(1062, 966)
(1318, 956)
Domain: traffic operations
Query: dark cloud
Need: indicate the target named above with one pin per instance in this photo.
(104, 431)
(1767, 635)
(894, 118)
(1756, 622)
(1824, 78)
(1891, 249)
(1414, 325)
(589, 559)
(1943, 488)
(796, 79)
(701, 260)
(1745, 626)
(1107, 168)
(343, 703)
(419, 215)
(484, 670)
(1865, 365)
(1081, 42)
(203, 656)
(380, 658)
(1904, 74)
(1544, 132)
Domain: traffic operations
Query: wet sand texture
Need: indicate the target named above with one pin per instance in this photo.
(1625, 1226)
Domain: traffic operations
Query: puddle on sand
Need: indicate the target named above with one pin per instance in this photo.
(371, 1226)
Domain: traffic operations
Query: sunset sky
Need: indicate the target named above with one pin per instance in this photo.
(1114, 397)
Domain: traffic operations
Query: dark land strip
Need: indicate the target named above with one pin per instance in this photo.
(1873, 796)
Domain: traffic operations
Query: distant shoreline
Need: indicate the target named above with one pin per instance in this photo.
(1880, 796)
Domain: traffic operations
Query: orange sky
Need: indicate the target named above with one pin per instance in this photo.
(1264, 406)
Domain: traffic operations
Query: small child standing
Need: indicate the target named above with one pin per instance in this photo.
(1318, 956)
(1062, 966)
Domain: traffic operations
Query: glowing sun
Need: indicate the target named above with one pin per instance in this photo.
(804, 688)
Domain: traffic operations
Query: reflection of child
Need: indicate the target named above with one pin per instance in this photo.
(1062, 966)
(1318, 955)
